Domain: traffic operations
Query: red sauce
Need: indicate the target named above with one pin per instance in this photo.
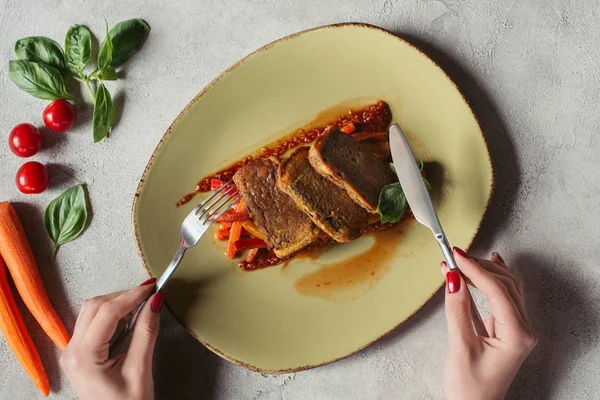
(267, 258)
(375, 117)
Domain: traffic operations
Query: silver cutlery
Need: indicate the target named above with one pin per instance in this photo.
(420, 204)
(194, 226)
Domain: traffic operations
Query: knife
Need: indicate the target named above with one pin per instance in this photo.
(420, 204)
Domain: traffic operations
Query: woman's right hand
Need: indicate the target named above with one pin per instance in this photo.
(479, 367)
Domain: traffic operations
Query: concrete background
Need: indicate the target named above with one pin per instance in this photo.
(530, 70)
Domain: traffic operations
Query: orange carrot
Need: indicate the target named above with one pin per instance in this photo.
(236, 233)
(226, 225)
(240, 206)
(222, 234)
(17, 254)
(14, 330)
(349, 128)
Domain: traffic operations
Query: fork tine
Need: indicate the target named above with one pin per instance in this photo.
(211, 218)
(217, 205)
(229, 185)
(224, 198)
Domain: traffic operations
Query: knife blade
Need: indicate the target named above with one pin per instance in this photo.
(419, 200)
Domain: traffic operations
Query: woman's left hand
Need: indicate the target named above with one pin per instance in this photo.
(86, 360)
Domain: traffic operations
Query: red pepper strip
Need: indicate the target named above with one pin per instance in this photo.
(348, 128)
(234, 236)
(247, 244)
(233, 216)
(216, 184)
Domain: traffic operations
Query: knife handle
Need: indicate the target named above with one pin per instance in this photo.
(476, 320)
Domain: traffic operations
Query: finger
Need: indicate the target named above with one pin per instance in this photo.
(141, 348)
(514, 293)
(501, 304)
(498, 269)
(490, 326)
(109, 314)
(497, 258)
(458, 310)
(88, 311)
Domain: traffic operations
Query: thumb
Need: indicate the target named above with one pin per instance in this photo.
(458, 311)
(145, 333)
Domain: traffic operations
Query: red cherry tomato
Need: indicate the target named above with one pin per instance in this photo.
(32, 177)
(25, 140)
(59, 116)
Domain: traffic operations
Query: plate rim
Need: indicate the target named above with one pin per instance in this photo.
(210, 85)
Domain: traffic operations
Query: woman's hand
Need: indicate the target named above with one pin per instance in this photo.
(86, 362)
(478, 367)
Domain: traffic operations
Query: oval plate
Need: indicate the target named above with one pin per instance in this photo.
(258, 319)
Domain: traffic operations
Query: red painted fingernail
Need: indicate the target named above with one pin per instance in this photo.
(499, 257)
(148, 282)
(460, 252)
(157, 302)
(453, 281)
(444, 264)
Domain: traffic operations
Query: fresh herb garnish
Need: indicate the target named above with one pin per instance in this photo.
(392, 200)
(66, 216)
(42, 65)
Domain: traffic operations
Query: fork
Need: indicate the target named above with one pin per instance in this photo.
(194, 226)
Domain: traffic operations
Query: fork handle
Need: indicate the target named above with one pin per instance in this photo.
(478, 324)
(121, 335)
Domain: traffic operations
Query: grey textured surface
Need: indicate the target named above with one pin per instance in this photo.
(529, 68)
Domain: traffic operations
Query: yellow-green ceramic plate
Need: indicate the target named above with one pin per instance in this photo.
(278, 319)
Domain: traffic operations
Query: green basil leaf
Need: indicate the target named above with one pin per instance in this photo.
(104, 113)
(78, 47)
(66, 216)
(392, 203)
(108, 74)
(128, 37)
(420, 164)
(105, 53)
(42, 50)
(39, 80)
(393, 167)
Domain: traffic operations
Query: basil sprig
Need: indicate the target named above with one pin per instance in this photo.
(104, 113)
(41, 50)
(127, 38)
(39, 80)
(392, 200)
(66, 216)
(78, 48)
(42, 66)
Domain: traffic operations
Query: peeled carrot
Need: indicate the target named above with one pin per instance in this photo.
(236, 233)
(16, 252)
(222, 234)
(14, 330)
(349, 128)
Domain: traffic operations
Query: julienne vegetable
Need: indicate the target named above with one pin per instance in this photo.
(66, 216)
(14, 330)
(392, 201)
(42, 66)
(16, 252)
